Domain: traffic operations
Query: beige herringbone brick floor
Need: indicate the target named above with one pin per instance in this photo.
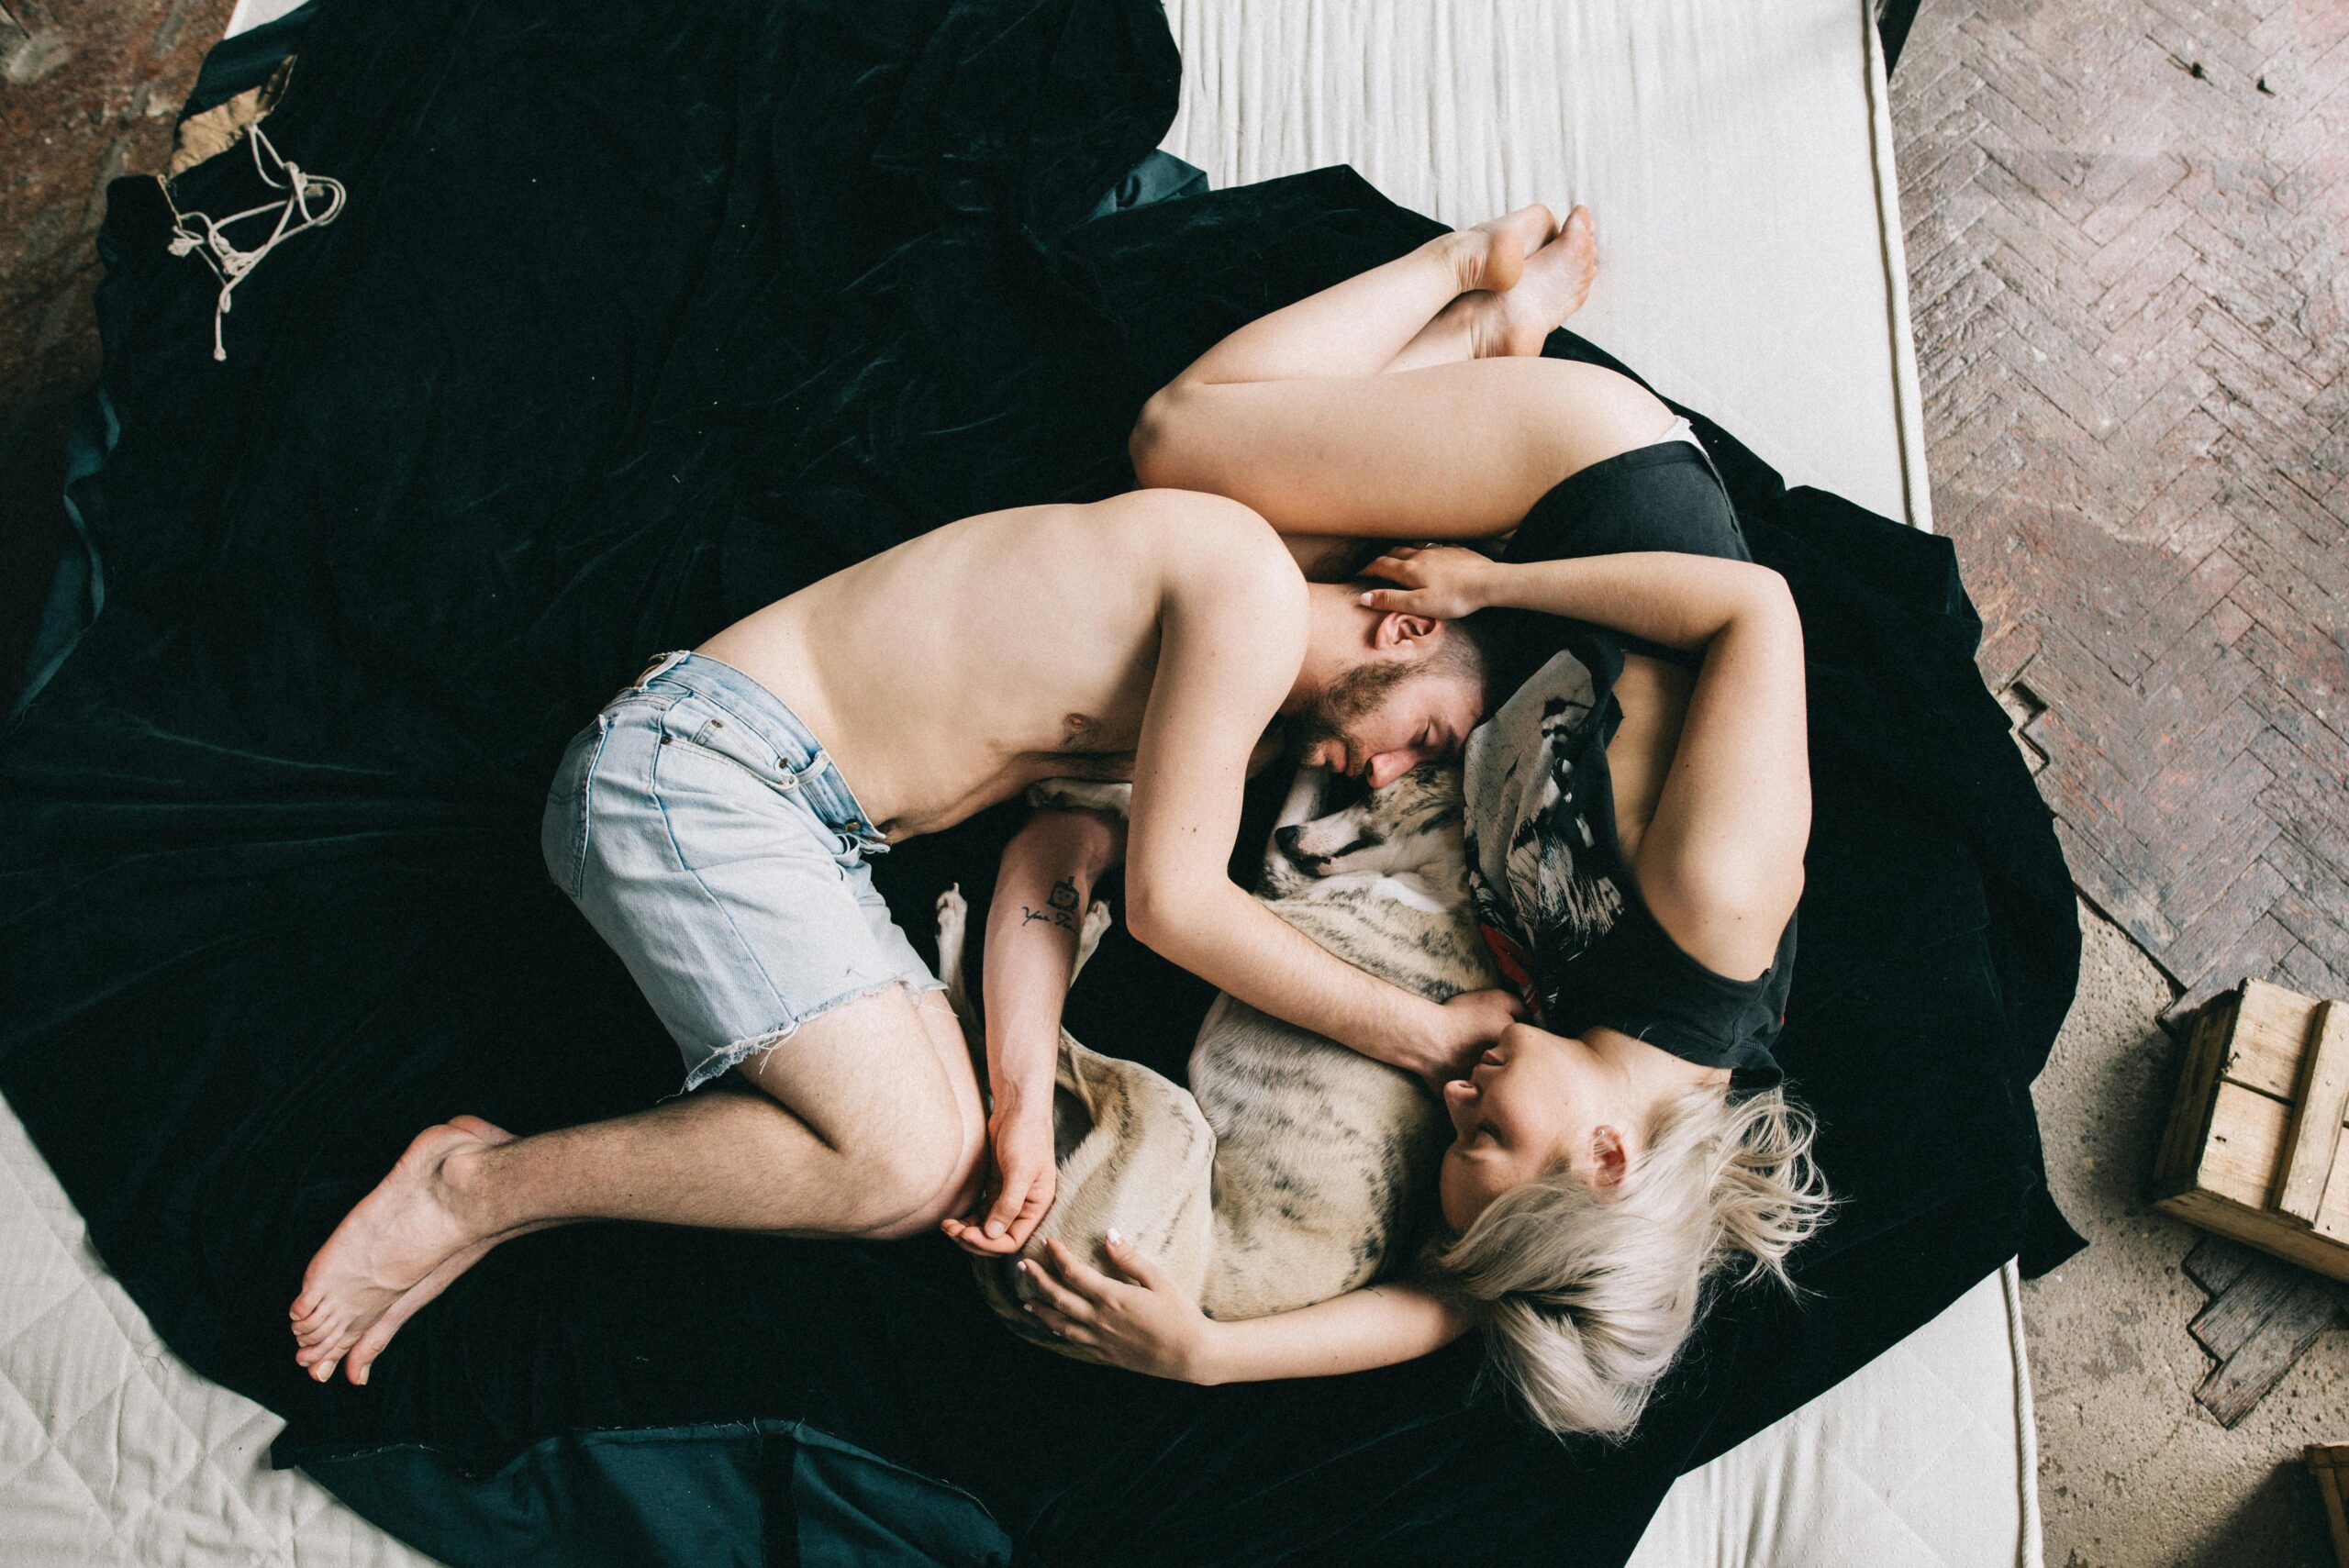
(2128, 239)
(2128, 222)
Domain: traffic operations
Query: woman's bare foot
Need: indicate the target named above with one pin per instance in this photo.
(1553, 284)
(1494, 254)
(402, 1240)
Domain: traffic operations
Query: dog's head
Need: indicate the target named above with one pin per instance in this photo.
(1411, 825)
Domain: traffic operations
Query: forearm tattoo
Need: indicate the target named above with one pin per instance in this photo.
(1060, 907)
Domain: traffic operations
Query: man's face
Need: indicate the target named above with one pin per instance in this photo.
(1379, 721)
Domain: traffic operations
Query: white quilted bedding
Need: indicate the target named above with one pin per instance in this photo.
(1739, 158)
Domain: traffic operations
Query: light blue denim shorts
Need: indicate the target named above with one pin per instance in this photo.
(709, 839)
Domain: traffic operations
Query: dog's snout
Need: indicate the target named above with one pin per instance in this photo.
(1290, 842)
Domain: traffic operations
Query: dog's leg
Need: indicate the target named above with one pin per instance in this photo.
(1088, 936)
(953, 934)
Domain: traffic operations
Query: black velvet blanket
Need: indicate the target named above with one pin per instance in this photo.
(640, 316)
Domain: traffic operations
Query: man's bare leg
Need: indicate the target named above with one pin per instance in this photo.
(1444, 445)
(866, 1122)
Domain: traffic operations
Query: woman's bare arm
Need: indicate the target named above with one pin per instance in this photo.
(1720, 864)
(1141, 1323)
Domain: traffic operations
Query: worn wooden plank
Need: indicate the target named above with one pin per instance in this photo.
(2271, 1036)
(2189, 1115)
(2329, 1463)
(2313, 1129)
(2245, 1146)
(2243, 1378)
(2237, 1313)
(2271, 1233)
(2216, 1263)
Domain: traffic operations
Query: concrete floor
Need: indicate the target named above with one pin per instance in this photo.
(2134, 1473)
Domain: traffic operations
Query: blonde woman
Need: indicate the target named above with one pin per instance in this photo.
(1637, 809)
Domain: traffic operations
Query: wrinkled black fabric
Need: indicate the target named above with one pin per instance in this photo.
(641, 317)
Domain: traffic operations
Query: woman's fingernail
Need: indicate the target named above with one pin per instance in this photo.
(1363, 600)
(1027, 1306)
(1116, 1240)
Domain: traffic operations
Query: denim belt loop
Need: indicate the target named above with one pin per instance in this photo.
(659, 667)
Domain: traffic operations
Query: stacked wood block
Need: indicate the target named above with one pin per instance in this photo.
(2253, 1148)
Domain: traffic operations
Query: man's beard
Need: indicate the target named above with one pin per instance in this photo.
(1328, 714)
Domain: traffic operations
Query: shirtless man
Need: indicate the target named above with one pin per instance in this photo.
(714, 822)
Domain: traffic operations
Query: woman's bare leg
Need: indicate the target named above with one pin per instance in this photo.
(1515, 322)
(1356, 327)
(1290, 416)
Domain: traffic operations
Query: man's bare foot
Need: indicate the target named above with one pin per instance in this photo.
(361, 1359)
(1553, 284)
(402, 1238)
(1493, 255)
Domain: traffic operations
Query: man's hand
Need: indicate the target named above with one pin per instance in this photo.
(1458, 1033)
(1141, 1322)
(1444, 581)
(1019, 1186)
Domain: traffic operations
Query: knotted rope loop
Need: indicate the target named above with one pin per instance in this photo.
(311, 201)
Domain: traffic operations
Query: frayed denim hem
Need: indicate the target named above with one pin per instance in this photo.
(726, 1057)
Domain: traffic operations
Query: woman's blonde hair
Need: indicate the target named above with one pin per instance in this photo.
(1587, 1297)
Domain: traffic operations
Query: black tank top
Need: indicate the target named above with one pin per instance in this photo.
(1557, 903)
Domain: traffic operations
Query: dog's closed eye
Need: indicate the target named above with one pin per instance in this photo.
(1298, 844)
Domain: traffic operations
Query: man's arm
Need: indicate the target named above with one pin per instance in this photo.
(1141, 1323)
(1041, 893)
(1721, 864)
(1233, 634)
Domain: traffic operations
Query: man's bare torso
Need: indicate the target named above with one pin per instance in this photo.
(952, 672)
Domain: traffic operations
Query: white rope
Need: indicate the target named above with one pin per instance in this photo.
(210, 241)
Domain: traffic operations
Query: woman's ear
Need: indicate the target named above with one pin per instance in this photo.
(1395, 629)
(1608, 1159)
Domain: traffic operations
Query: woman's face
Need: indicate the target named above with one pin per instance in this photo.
(1536, 1102)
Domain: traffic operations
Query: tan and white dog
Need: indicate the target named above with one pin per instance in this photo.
(1292, 1169)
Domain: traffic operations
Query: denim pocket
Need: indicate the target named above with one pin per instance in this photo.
(563, 832)
(714, 731)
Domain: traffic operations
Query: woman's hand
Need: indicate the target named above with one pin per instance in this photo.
(1448, 1038)
(1440, 580)
(1018, 1189)
(1140, 1323)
